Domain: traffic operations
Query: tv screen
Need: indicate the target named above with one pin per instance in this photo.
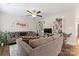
(48, 30)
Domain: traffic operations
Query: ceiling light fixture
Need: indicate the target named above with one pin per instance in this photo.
(33, 15)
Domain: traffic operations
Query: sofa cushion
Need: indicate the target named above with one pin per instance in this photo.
(56, 36)
(38, 42)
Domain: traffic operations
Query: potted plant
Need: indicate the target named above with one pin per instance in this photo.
(3, 38)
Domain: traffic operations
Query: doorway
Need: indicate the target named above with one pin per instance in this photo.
(78, 30)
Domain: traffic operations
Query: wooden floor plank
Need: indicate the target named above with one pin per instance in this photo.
(68, 50)
(4, 51)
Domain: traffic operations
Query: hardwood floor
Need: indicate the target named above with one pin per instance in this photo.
(4, 51)
(67, 50)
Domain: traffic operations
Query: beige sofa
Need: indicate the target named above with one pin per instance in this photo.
(40, 47)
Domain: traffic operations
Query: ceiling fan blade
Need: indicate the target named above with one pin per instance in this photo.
(29, 11)
(39, 15)
(38, 12)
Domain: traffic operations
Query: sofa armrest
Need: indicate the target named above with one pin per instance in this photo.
(23, 47)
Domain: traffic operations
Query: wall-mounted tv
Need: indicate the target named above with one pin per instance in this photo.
(47, 30)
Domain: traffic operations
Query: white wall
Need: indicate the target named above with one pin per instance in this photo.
(68, 24)
(8, 23)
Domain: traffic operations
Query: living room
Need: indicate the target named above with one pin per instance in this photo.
(21, 19)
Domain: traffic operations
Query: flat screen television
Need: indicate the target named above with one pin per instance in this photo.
(48, 30)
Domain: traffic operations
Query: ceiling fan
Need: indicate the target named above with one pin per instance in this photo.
(34, 13)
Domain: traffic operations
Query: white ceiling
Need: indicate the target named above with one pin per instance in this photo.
(46, 8)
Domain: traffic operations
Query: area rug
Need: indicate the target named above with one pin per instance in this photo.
(13, 50)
